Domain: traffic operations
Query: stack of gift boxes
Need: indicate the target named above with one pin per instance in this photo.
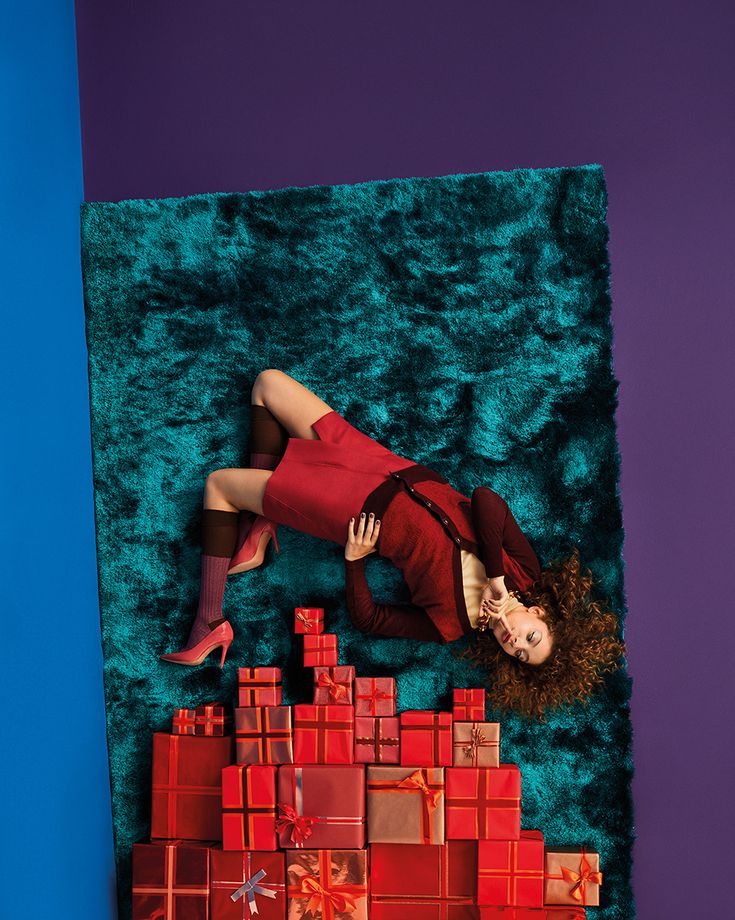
(342, 809)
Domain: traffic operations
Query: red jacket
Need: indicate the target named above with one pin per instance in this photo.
(425, 523)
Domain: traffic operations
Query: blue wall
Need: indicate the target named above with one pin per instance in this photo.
(56, 844)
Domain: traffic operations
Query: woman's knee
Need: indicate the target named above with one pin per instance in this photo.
(265, 381)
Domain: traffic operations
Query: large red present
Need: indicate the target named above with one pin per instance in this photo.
(209, 719)
(249, 807)
(333, 685)
(377, 740)
(259, 687)
(321, 806)
(476, 744)
(572, 876)
(375, 696)
(405, 805)
(327, 884)
(246, 885)
(324, 734)
(422, 909)
(532, 913)
(426, 738)
(187, 786)
(468, 705)
(309, 620)
(170, 880)
(263, 734)
(320, 650)
(483, 803)
(510, 873)
(405, 870)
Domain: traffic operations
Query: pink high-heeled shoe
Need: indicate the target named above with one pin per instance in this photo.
(220, 635)
(252, 550)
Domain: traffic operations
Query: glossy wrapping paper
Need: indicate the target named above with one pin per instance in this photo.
(572, 876)
(324, 734)
(377, 740)
(327, 884)
(475, 744)
(264, 734)
(532, 913)
(510, 873)
(209, 719)
(249, 807)
(412, 909)
(426, 738)
(257, 880)
(447, 872)
(333, 685)
(483, 803)
(405, 804)
(170, 880)
(186, 795)
(309, 620)
(259, 687)
(321, 806)
(468, 705)
(320, 650)
(375, 696)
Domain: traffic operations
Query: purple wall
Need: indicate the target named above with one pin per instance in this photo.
(186, 98)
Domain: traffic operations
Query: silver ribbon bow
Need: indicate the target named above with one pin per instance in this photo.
(251, 888)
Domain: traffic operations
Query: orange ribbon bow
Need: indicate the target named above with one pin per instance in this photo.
(299, 825)
(335, 690)
(579, 880)
(477, 739)
(418, 779)
(344, 903)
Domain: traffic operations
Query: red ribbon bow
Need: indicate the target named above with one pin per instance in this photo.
(300, 826)
(342, 902)
(335, 690)
(418, 779)
(579, 880)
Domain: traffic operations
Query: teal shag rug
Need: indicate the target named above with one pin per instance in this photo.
(464, 322)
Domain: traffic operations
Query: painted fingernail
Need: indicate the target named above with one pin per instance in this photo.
(371, 514)
(363, 514)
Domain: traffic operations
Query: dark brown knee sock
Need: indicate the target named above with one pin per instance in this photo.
(268, 438)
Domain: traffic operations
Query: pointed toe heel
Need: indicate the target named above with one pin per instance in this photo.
(221, 636)
(251, 552)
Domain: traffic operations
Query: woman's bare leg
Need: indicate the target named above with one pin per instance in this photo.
(236, 489)
(293, 404)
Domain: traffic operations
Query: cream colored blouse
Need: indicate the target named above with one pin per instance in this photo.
(474, 579)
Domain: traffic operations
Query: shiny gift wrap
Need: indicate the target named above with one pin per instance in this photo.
(468, 705)
(510, 873)
(170, 880)
(405, 805)
(412, 909)
(324, 734)
(249, 807)
(263, 734)
(531, 913)
(572, 876)
(259, 687)
(377, 740)
(327, 884)
(375, 696)
(247, 885)
(333, 685)
(483, 803)
(187, 786)
(404, 870)
(426, 738)
(320, 650)
(209, 719)
(321, 806)
(476, 744)
(309, 620)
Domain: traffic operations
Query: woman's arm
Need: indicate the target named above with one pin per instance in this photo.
(497, 529)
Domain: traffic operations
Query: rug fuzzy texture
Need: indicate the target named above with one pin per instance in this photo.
(461, 320)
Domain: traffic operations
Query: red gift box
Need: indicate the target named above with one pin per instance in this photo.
(263, 734)
(483, 803)
(259, 687)
(572, 876)
(321, 806)
(309, 620)
(249, 807)
(405, 805)
(476, 744)
(426, 738)
(324, 734)
(405, 870)
(170, 880)
(377, 740)
(209, 719)
(468, 705)
(245, 885)
(510, 873)
(413, 909)
(327, 884)
(187, 786)
(333, 685)
(532, 913)
(320, 650)
(375, 696)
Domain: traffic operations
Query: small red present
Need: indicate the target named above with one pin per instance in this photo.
(468, 705)
(333, 685)
(321, 806)
(406, 870)
(476, 744)
(324, 734)
(426, 738)
(510, 873)
(187, 786)
(483, 803)
(320, 650)
(377, 740)
(309, 620)
(422, 909)
(170, 880)
(531, 913)
(209, 719)
(375, 696)
(249, 807)
(259, 687)
(405, 805)
(572, 876)
(327, 884)
(263, 734)
(246, 885)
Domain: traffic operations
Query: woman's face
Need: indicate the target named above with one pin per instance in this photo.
(529, 638)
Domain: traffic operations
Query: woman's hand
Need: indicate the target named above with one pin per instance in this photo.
(362, 542)
(495, 603)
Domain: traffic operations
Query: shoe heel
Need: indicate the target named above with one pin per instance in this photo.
(275, 540)
(225, 647)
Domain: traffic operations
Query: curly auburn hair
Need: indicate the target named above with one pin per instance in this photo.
(585, 645)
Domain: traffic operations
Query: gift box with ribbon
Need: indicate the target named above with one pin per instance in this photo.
(426, 738)
(309, 620)
(425, 909)
(187, 786)
(320, 651)
(324, 734)
(405, 804)
(209, 719)
(321, 806)
(375, 696)
(327, 884)
(405, 870)
(333, 685)
(247, 885)
(377, 740)
(572, 876)
(259, 687)
(483, 803)
(532, 913)
(171, 879)
(476, 744)
(263, 734)
(510, 873)
(249, 807)
(468, 705)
